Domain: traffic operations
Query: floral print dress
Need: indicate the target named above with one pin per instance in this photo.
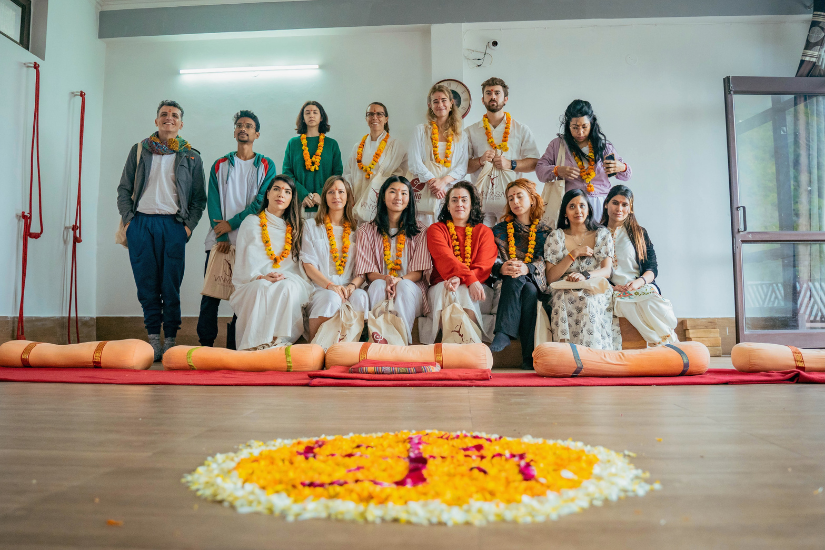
(578, 316)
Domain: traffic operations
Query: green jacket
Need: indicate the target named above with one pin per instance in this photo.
(312, 182)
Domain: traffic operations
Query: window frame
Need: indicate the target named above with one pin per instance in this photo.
(25, 23)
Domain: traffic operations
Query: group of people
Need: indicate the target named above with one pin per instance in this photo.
(451, 218)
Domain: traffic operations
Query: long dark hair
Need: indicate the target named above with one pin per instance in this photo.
(564, 223)
(292, 214)
(386, 114)
(581, 108)
(476, 215)
(301, 124)
(634, 230)
(408, 224)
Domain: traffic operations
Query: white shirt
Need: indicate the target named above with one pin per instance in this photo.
(243, 178)
(625, 266)
(521, 143)
(315, 250)
(160, 194)
(421, 149)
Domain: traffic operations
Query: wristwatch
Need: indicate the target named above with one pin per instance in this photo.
(513, 165)
(586, 274)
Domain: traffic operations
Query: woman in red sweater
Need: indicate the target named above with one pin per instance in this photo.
(458, 267)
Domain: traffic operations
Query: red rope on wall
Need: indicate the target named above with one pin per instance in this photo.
(29, 216)
(77, 233)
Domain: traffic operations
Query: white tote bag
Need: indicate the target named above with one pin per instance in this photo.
(491, 184)
(456, 325)
(553, 192)
(385, 327)
(345, 326)
(367, 206)
(217, 282)
(542, 333)
(425, 202)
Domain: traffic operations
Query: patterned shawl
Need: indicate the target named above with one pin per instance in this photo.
(521, 235)
(154, 145)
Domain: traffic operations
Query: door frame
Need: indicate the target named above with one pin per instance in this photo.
(761, 85)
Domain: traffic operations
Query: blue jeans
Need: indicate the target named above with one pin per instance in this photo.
(157, 249)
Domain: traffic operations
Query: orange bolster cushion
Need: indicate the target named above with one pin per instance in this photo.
(453, 356)
(556, 360)
(114, 354)
(303, 357)
(755, 357)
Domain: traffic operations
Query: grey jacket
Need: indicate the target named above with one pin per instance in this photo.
(189, 181)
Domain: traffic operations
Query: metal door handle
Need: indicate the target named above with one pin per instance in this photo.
(744, 227)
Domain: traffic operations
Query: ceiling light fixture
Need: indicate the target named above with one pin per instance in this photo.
(250, 69)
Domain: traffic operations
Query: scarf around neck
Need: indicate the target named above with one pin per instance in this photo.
(154, 145)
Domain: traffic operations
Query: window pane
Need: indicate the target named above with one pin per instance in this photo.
(11, 16)
(780, 153)
(784, 286)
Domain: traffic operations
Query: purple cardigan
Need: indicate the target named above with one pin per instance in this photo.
(544, 169)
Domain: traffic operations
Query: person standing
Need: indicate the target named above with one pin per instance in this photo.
(311, 157)
(161, 198)
(237, 183)
(502, 150)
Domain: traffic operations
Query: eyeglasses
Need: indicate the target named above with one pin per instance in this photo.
(376, 115)
(247, 126)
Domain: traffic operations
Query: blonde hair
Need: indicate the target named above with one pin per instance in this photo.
(323, 208)
(453, 119)
(536, 211)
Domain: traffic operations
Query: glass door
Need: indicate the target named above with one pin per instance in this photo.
(776, 161)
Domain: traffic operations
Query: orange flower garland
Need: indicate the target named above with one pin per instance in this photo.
(531, 239)
(448, 151)
(468, 243)
(340, 263)
(369, 168)
(276, 260)
(312, 163)
(587, 174)
(489, 131)
(394, 266)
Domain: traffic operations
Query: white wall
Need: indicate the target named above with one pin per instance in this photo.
(74, 61)
(656, 86)
(139, 73)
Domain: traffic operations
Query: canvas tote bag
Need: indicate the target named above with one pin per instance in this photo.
(425, 202)
(553, 192)
(217, 282)
(492, 188)
(542, 333)
(385, 327)
(367, 206)
(456, 325)
(345, 326)
(120, 233)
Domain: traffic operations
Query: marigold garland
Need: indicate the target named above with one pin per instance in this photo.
(468, 243)
(369, 168)
(340, 263)
(587, 174)
(276, 260)
(312, 163)
(394, 266)
(421, 477)
(531, 239)
(489, 131)
(448, 150)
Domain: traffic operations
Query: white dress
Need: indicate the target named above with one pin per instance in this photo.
(393, 162)
(268, 313)
(645, 308)
(315, 250)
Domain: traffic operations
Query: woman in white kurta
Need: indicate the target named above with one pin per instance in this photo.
(330, 266)
(636, 294)
(375, 158)
(434, 169)
(402, 277)
(270, 285)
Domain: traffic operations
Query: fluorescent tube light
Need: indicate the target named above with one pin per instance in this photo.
(249, 69)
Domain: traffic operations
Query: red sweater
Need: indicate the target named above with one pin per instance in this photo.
(447, 266)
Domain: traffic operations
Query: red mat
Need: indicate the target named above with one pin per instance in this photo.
(499, 379)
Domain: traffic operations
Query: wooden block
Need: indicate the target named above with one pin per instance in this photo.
(709, 342)
(702, 333)
(628, 331)
(638, 344)
(715, 351)
(700, 323)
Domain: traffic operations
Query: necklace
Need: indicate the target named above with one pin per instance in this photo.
(312, 163)
(531, 238)
(488, 130)
(340, 263)
(587, 174)
(394, 266)
(276, 260)
(468, 243)
(447, 150)
(369, 168)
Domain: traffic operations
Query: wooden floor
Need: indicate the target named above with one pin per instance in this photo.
(740, 465)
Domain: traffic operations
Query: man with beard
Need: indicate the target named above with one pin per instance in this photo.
(237, 184)
(501, 150)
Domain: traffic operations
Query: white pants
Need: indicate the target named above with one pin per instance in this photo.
(268, 312)
(428, 326)
(326, 303)
(653, 318)
(407, 302)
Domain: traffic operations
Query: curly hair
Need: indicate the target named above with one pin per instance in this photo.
(246, 113)
(476, 215)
